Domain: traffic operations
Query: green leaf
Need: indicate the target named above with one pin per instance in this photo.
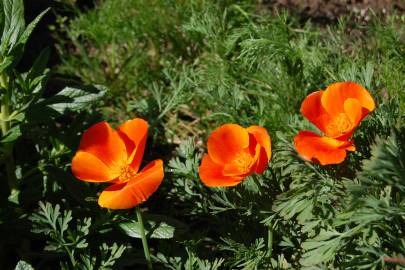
(1, 17)
(306, 214)
(39, 65)
(387, 162)
(324, 252)
(153, 229)
(110, 254)
(74, 98)
(156, 226)
(14, 23)
(7, 61)
(27, 32)
(12, 135)
(320, 249)
(14, 197)
(23, 265)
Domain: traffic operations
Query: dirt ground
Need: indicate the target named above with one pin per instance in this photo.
(331, 10)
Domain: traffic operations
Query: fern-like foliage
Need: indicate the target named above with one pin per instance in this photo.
(71, 239)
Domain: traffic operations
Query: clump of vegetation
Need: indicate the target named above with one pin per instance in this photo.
(188, 67)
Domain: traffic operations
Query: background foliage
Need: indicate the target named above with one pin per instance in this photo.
(187, 67)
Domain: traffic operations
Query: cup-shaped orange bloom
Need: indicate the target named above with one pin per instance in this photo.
(337, 112)
(107, 155)
(234, 152)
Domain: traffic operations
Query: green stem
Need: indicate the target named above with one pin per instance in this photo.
(71, 257)
(5, 113)
(5, 127)
(270, 241)
(144, 241)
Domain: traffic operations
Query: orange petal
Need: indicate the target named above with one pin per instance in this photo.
(137, 190)
(312, 109)
(211, 174)
(227, 141)
(134, 133)
(89, 168)
(103, 142)
(336, 94)
(262, 161)
(351, 148)
(262, 138)
(326, 150)
(353, 110)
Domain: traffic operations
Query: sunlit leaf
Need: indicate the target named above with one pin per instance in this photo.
(23, 265)
(74, 98)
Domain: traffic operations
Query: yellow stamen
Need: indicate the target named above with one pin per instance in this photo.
(340, 125)
(244, 161)
(126, 174)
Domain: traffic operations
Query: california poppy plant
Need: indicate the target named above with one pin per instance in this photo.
(107, 155)
(234, 153)
(337, 112)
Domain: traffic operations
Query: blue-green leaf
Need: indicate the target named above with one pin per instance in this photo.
(11, 135)
(153, 230)
(73, 99)
(23, 265)
(156, 226)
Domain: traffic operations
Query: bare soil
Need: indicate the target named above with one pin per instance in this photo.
(330, 10)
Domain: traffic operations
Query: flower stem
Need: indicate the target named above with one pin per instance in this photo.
(144, 241)
(269, 241)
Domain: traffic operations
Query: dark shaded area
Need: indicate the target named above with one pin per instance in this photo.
(42, 37)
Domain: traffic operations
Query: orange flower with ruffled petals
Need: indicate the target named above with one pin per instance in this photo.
(234, 153)
(337, 112)
(107, 155)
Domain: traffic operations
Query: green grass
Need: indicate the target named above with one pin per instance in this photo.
(194, 64)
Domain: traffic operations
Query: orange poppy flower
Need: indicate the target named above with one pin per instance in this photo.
(337, 112)
(234, 152)
(107, 155)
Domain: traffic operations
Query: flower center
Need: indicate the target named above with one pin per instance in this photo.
(339, 125)
(244, 162)
(126, 174)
